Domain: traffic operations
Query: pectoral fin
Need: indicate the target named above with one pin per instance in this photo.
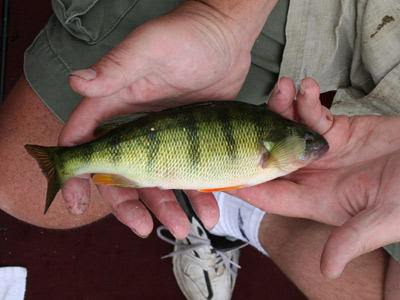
(115, 180)
(283, 153)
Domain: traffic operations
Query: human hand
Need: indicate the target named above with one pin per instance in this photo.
(354, 186)
(190, 55)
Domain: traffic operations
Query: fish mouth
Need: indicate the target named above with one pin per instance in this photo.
(318, 153)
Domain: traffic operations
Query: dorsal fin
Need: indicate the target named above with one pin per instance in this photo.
(120, 120)
(117, 121)
(199, 104)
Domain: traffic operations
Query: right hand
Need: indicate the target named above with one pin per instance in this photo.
(355, 186)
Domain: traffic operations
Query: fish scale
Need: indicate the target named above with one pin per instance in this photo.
(207, 147)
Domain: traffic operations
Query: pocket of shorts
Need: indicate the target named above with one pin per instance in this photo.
(91, 20)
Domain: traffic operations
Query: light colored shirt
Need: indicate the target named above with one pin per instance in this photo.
(349, 46)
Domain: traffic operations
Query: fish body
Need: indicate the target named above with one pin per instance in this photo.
(207, 147)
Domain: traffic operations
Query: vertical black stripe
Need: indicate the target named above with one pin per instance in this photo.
(226, 120)
(188, 123)
(114, 148)
(257, 117)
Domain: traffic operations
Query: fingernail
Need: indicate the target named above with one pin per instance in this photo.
(177, 237)
(174, 231)
(302, 89)
(87, 74)
(139, 235)
(329, 117)
(337, 275)
(277, 88)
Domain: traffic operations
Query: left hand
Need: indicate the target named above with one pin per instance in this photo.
(193, 53)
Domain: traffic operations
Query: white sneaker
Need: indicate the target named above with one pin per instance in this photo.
(202, 270)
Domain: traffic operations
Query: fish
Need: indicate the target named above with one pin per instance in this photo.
(209, 146)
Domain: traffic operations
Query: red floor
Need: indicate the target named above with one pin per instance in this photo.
(104, 260)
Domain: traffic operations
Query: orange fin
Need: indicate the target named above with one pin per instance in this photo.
(222, 189)
(115, 180)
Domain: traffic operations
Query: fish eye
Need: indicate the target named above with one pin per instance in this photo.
(309, 137)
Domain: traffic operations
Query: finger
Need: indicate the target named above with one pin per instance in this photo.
(279, 197)
(311, 112)
(167, 210)
(116, 70)
(287, 198)
(367, 231)
(128, 209)
(281, 99)
(206, 207)
(76, 194)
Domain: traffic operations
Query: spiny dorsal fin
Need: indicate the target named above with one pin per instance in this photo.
(117, 121)
(198, 104)
(120, 120)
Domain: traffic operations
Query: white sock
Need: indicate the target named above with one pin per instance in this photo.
(238, 219)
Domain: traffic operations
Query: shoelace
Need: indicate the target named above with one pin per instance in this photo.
(199, 243)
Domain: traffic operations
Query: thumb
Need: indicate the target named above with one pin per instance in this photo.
(116, 70)
(365, 232)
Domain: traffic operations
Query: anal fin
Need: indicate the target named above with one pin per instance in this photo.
(222, 189)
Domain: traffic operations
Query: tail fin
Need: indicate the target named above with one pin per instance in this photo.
(45, 159)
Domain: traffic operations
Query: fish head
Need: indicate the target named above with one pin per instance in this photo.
(315, 145)
(295, 149)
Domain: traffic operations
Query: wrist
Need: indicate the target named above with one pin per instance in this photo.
(249, 15)
(241, 20)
